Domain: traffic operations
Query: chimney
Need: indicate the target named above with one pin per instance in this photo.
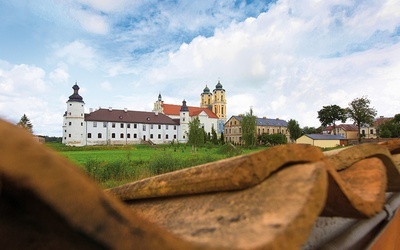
(156, 112)
(109, 108)
(125, 110)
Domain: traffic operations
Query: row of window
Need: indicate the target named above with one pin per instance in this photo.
(128, 125)
(128, 136)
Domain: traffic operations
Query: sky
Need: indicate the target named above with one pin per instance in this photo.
(284, 59)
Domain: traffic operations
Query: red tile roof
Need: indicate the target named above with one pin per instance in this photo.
(172, 109)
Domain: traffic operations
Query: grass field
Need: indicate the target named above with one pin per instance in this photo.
(116, 165)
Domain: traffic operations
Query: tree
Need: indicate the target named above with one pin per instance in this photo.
(214, 136)
(222, 139)
(195, 134)
(249, 129)
(328, 115)
(390, 129)
(294, 130)
(361, 113)
(272, 139)
(311, 130)
(25, 123)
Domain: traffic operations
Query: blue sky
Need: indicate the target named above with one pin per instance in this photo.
(285, 59)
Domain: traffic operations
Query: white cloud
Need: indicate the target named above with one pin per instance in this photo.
(92, 22)
(60, 74)
(79, 53)
(106, 86)
(21, 78)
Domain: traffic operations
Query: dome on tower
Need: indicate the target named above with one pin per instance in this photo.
(206, 90)
(184, 107)
(218, 86)
(75, 97)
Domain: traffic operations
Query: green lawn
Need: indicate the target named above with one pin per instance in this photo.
(116, 165)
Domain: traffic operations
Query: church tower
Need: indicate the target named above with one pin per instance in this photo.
(219, 101)
(73, 122)
(206, 98)
(158, 105)
(219, 106)
(184, 122)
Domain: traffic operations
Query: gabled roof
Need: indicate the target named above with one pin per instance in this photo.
(173, 109)
(345, 127)
(117, 115)
(325, 137)
(266, 121)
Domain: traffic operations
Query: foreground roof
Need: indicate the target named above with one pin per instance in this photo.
(117, 115)
(274, 203)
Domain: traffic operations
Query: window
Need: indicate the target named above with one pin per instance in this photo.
(159, 126)
(166, 127)
(151, 136)
(174, 136)
(65, 131)
(89, 135)
(135, 125)
(121, 135)
(113, 135)
(69, 113)
(372, 132)
(99, 135)
(70, 123)
(122, 125)
(159, 136)
(151, 126)
(94, 124)
(166, 136)
(113, 125)
(128, 125)
(174, 127)
(104, 124)
(183, 119)
(135, 136)
(69, 135)
(144, 127)
(128, 135)
(81, 123)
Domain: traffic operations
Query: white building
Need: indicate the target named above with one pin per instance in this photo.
(167, 123)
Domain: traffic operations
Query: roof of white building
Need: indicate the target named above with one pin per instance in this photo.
(117, 115)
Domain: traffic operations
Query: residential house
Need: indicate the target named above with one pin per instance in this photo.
(233, 128)
(323, 140)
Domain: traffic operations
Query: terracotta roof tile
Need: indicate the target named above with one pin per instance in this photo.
(268, 199)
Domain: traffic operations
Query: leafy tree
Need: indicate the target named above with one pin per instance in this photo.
(328, 115)
(361, 113)
(272, 139)
(195, 134)
(25, 123)
(311, 130)
(222, 139)
(214, 136)
(249, 129)
(390, 129)
(294, 130)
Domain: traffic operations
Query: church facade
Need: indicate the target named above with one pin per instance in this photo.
(166, 123)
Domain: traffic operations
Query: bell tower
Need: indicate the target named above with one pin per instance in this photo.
(206, 98)
(219, 101)
(74, 120)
